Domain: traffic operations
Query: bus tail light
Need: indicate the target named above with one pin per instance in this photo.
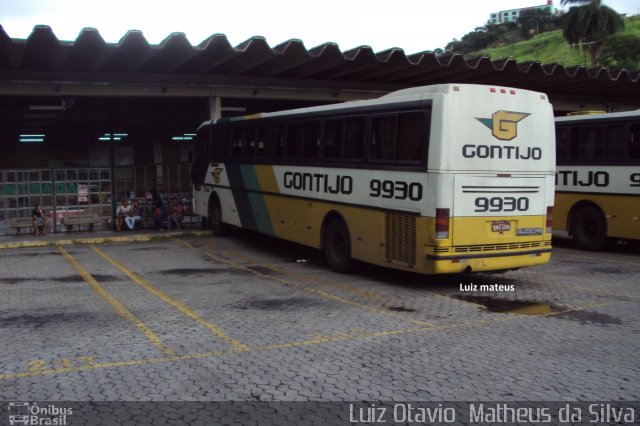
(549, 220)
(442, 224)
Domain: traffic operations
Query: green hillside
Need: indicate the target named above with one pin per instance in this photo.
(551, 47)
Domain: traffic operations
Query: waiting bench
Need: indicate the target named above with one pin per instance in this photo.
(21, 222)
(85, 217)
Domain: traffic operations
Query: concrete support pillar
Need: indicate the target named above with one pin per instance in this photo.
(215, 108)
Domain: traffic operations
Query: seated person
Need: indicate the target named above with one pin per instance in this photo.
(135, 215)
(39, 220)
(176, 213)
(159, 212)
(122, 212)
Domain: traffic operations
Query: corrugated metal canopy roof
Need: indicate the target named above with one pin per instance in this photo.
(43, 56)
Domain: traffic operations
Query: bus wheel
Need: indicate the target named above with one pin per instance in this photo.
(589, 228)
(215, 219)
(337, 246)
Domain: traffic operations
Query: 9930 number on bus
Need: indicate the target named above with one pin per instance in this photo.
(395, 189)
(501, 204)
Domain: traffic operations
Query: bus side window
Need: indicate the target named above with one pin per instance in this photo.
(249, 142)
(223, 139)
(634, 141)
(574, 143)
(295, 139)
(311, 139)
(355, 131)
(616, 139)
(199, 168)
(261, 142)
(214, 144)
(411, 131)
(277, 140)
(236, 142)
(383, 134)
(332, 147)
(562, 142)
(592, 143)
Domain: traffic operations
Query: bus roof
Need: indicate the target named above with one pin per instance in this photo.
(414, 94)
(599, 117)
(424, 90)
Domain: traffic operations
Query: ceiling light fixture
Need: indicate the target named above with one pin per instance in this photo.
(64, 105)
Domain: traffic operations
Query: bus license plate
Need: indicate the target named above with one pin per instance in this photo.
(500, 226)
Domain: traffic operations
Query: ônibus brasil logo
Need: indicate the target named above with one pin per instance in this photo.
(504, 124)
(30, 413)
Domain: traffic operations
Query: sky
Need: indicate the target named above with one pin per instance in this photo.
(412, 25)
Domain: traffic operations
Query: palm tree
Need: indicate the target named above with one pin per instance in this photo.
(588, 23)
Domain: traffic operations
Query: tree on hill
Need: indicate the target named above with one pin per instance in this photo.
(482, 37)
(536, 21)
(588, 24)
(530, 23)
(621, 51)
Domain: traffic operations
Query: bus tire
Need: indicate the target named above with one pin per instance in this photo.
(589, 228)
(215, 219)
(337, 246)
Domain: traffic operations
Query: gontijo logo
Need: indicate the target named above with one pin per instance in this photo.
(216, 174)
(504, 124)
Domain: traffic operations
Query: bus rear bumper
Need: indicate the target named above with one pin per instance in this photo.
(493, 262)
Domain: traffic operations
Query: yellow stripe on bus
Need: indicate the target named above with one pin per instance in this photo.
(267, 178)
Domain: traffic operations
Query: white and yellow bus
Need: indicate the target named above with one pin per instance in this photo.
(598, 177)
(438, 179)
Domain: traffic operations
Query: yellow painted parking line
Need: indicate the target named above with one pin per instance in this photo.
(442, 295)
(99, 240)
(116, 305)
(365, 293)
(188, 357)
(322, 281)
(315, 291)
(340, 337)
(23, 244)
(171, 301)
